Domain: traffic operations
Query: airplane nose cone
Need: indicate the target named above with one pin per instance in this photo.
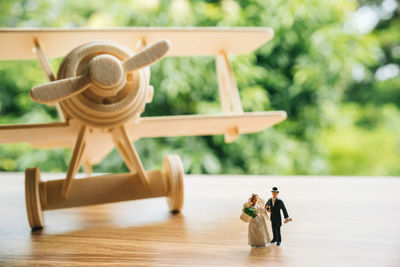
(107, 73)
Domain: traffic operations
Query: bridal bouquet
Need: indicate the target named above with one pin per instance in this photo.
(250, 211)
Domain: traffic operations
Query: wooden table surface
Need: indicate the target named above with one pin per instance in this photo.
(337, 221)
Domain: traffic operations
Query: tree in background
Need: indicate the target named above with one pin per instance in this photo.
(333, 66)
(365, 140)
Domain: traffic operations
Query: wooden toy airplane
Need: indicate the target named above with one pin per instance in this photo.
(102, 87)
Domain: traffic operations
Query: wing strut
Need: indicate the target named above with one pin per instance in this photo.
(75, 160)
(44, 63)
(123, 143)
(228, 93)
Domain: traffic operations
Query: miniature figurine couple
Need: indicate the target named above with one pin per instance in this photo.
(254, 212)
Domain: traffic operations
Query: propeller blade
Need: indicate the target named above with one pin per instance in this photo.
(147, 56)
(58, 90)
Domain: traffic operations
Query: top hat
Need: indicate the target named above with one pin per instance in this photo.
(275, 189)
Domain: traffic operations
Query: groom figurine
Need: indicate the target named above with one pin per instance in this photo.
(274, 206)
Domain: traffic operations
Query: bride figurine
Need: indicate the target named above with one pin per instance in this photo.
(253, 212)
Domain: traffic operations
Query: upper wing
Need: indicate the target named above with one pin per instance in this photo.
(42, 135)
(18, 43)
(231, 125)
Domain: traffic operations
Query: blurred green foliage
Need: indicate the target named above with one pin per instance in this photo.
(333, 66)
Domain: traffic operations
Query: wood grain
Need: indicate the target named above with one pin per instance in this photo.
(337, 221)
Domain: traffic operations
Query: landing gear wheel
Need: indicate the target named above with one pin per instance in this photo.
(173, 169)
(33, 205)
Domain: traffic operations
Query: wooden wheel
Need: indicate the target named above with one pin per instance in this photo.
(33, 205)
(173, 169)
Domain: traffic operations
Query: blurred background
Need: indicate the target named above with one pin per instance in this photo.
(333, 66)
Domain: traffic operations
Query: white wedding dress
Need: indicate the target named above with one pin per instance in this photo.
(258, 235)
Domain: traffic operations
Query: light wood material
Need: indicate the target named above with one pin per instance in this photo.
(44, 135)
(102, 88)
(95, 153)
(105, 72)
(213, 124)
(173, 170)
(32, 198)
(147, 56)
(64, 134)
(87, 167)
(222, 86)
(104, 189)
(123, 143)
(75, 161)
(229, 93)
(17, 43)
(59, 90)
(337, 221)
(44, 63)
(111, 101)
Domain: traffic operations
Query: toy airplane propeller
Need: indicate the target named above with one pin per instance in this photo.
(102, 87)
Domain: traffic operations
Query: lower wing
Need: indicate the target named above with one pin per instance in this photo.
(230, 125)
(46, 135)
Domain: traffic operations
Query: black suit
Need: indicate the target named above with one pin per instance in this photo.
(276, 219)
